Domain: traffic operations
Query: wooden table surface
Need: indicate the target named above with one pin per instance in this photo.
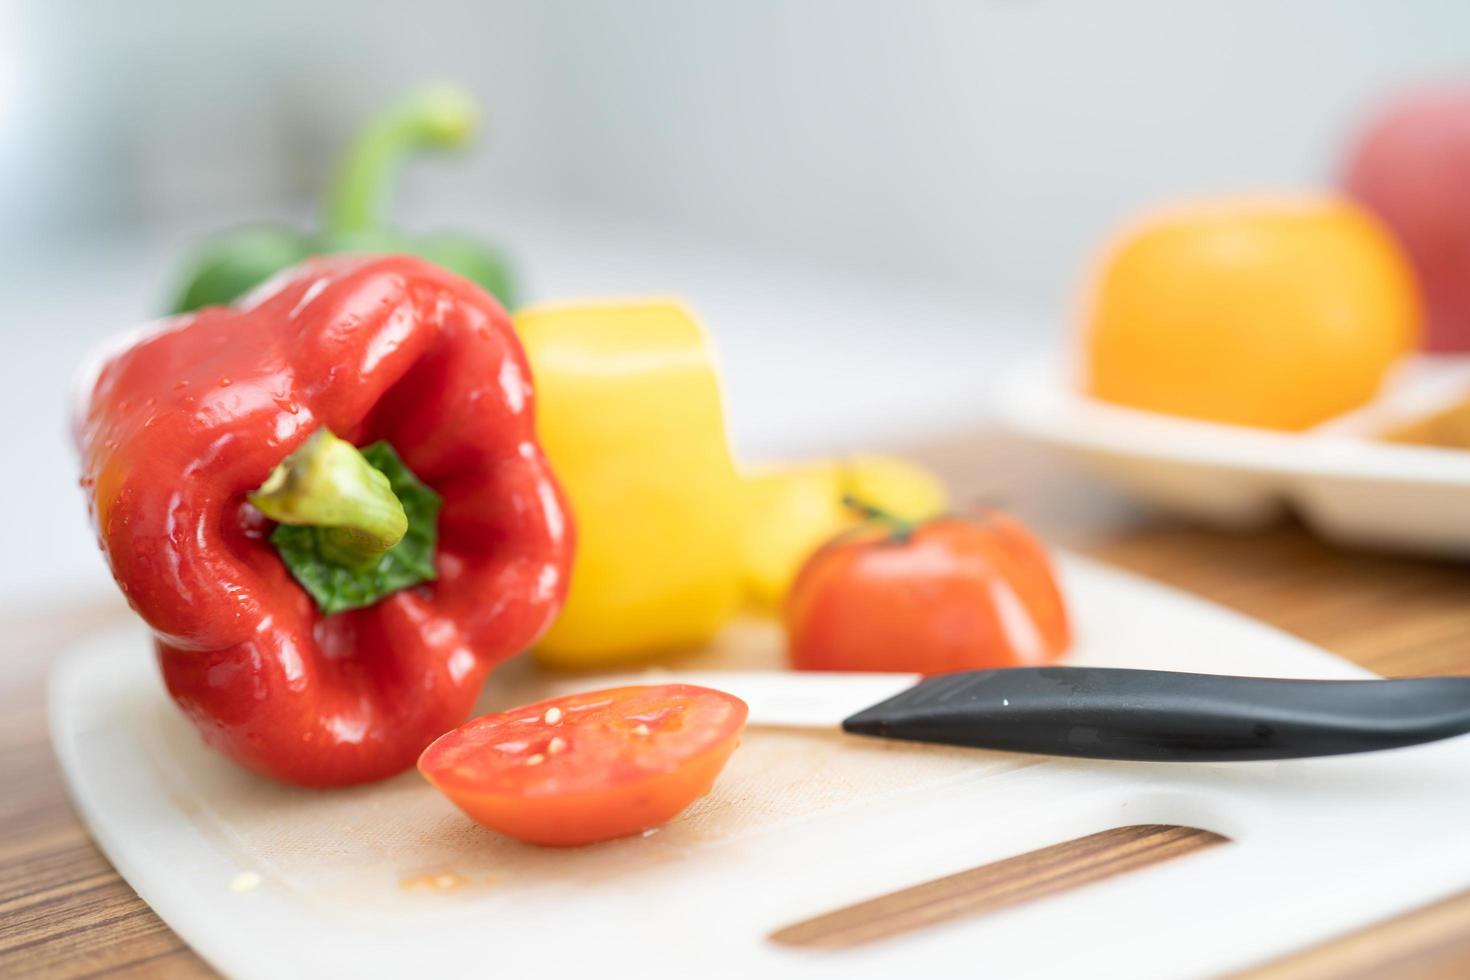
(64, 912)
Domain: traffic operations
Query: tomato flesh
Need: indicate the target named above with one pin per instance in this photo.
(588, 767)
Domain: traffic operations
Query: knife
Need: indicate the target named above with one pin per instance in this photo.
(1099, 712)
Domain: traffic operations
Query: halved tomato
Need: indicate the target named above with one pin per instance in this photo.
(588, 767)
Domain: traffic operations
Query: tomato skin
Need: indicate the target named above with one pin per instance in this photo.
(954, 595)
(628, 759)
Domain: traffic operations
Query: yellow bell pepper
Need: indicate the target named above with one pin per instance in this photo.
(629, 413)
(795, 509)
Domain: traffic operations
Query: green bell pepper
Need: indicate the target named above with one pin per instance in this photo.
(354, 218)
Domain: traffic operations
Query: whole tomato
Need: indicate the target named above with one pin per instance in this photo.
(945, 595)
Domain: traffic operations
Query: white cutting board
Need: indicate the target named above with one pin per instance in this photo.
(1345, 482)
(390, 880)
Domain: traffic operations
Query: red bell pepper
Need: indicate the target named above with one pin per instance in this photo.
(181, 430)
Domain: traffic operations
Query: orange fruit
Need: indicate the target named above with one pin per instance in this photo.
(1277, 312)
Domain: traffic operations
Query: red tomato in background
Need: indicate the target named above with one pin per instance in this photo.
(588, 767)
(1411, 167)
(950, 594)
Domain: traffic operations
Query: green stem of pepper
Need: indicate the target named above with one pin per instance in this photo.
(328, 485)
(438, 118)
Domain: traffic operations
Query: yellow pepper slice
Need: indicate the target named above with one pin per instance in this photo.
(796, 509)
(629, 413)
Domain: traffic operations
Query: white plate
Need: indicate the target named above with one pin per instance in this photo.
(1351, 489)
(390, 880)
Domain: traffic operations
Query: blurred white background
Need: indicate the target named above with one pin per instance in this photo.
(875, 204)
